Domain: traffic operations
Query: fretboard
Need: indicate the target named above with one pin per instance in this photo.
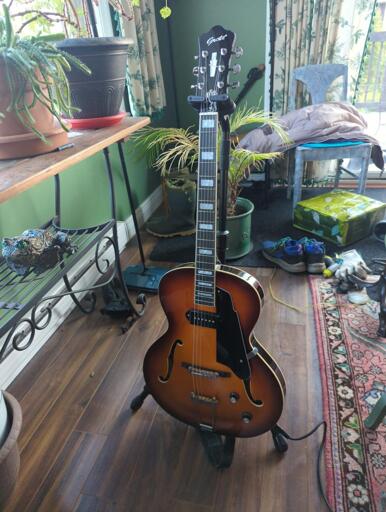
(205, 277)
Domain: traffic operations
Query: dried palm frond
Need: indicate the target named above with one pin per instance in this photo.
(168, 148)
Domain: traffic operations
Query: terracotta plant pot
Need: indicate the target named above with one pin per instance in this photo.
(17, 141)
(9, 451)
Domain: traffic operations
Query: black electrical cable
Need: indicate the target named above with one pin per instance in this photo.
(319, 459)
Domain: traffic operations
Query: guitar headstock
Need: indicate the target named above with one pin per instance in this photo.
(216, 49)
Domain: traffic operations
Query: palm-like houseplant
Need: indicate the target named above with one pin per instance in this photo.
(34, 92)
(172, 151)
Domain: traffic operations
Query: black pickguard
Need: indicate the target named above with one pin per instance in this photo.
(231, 350)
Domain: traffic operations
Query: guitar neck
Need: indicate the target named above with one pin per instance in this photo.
(205, 276)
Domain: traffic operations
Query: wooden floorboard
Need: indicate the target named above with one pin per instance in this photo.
(83, 450)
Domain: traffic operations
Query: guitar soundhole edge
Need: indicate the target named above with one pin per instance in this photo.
(170, 362)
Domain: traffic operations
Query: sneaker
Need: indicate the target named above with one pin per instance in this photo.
(314, 252)
(286, 253)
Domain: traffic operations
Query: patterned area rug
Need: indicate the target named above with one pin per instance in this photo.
(353, 372)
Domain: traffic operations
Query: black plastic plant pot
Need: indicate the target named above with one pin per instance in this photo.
(99, 94)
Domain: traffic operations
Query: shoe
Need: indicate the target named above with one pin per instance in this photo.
(314, 253)
(286, 253)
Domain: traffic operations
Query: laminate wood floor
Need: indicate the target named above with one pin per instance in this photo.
(83, 450)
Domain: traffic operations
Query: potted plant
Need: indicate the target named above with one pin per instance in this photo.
(170, 150)
(100, 93)
(34, 92)
(173, 152)
(10, 426)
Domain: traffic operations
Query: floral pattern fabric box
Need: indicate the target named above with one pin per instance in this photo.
(340, 217)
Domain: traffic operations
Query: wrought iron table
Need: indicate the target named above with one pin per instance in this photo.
(25, 306)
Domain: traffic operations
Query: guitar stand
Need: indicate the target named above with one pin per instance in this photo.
(220, 453)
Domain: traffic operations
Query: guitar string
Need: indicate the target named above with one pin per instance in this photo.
(207, 141)
(214, 216)
(208, 170)
(201, 193)
(194, 379)
(196, 338)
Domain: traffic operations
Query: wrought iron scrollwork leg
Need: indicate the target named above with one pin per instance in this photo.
(92, 298)
(140, 300)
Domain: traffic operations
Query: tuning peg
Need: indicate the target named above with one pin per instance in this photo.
(202, 69)
(204, 53)
(196, 57)
(238, 52)
(195, 71)
(221, 68)
(193, 86)
(200, 85)
(220, 85)
(236, 68)
(234, 85)
(223, 51)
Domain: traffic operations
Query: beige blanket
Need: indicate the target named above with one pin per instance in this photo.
(316, 123)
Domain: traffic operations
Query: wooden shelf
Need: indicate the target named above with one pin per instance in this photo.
(16, 176)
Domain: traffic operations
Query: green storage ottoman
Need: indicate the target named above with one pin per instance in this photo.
(340, 217)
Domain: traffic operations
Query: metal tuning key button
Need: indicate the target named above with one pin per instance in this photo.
(236, 68)
(224, 51)
(239, 52)
(235, 85)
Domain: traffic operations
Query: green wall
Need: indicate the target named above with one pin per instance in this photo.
(85, 196)
(247, 18)
(85, 189)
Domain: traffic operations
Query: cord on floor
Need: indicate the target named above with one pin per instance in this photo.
(319, 459)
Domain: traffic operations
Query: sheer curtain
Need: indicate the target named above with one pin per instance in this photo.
(317, 32)
(145, 80)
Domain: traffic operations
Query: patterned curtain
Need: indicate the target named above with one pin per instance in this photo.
(317, 32)
(145, 80)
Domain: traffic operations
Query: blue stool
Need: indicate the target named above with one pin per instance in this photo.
(317, 79)
(329, 151)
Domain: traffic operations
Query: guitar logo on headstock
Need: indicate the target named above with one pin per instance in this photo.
(212, 39)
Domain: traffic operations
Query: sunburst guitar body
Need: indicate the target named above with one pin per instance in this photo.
(208, 369)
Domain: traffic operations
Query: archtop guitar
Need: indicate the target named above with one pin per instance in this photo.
(208, 369)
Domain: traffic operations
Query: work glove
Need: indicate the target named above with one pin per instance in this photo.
(352, 265)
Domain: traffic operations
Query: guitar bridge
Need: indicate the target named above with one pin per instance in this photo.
(207, 373)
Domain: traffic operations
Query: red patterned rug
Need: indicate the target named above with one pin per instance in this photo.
(353, 372)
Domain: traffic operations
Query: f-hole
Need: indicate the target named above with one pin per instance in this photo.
(170, 362)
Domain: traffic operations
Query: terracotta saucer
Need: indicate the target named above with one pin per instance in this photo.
(97, 122)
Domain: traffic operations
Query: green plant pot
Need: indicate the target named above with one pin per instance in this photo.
(239, 239)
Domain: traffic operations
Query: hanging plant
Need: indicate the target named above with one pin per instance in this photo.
(165, 11)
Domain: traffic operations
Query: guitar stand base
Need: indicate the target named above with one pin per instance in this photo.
(219, 452)
(137, 402)
(279, 440)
